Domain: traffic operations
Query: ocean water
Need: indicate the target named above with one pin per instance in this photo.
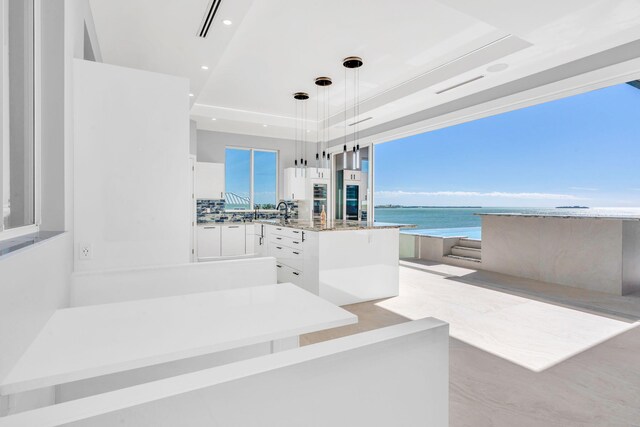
(439, 221)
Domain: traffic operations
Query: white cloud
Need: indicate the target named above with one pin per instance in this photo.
(583, 188)
(495, 194)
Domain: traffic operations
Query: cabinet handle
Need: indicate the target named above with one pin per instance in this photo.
(278, 228)
(297, 253)
(297, 274)
(297, 243)
(278, 238)
(278, 247)
(208, 228)
(221, 195)
(296, 231)
(234, 226)
(279, 266)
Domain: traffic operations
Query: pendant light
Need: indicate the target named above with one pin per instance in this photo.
(322, 137)
(353, 63)
(299, 98)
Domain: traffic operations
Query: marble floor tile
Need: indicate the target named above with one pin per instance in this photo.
(522, 353)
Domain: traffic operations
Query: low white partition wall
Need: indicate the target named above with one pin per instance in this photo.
(595, 253)
(101, 287)
(395, 376)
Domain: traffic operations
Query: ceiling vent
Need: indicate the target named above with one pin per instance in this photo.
(466, 82)
(360, 121)
(208, 18)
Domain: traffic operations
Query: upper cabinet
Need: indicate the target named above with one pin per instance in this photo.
(351, 175)
(209, 180)
(318, 173)
(294, 184)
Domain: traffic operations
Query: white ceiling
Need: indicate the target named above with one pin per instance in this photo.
(411, 49)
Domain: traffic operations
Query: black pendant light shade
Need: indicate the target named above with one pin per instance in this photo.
(323, 81)
(352, 62)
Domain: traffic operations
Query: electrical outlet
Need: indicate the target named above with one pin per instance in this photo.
(85, 252)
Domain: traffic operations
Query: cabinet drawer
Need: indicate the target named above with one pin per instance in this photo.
(287, 274)
(288, 241)
(292, 233)
(291, 257)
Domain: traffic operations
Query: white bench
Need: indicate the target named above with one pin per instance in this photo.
(89, 288)
(395, 376)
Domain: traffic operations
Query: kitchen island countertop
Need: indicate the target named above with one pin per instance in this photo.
(333, 225)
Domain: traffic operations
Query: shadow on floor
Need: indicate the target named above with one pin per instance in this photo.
(370, 317)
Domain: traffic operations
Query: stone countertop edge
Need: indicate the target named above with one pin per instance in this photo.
(335, 226)
(613, 218)
(200, 223)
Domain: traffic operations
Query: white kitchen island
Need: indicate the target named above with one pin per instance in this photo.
(91, 342)
(344, 262)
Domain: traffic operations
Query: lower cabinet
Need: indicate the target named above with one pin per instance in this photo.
(233, 240)
(286, 245)
(208, 238)
(222, 240)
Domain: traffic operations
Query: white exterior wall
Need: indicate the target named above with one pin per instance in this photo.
(580, 252)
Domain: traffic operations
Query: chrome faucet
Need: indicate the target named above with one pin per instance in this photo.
(286, 209)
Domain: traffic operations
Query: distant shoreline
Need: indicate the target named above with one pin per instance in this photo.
(426, 207)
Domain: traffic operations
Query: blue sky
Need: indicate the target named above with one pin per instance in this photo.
(582, 150)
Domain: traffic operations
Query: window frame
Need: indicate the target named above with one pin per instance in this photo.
(252, 152)
(36, 106)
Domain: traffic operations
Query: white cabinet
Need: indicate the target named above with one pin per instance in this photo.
(318, 173)
(208, 238)
(209, 180)
(287, 246)
(294, 184)
(233, 240)
(250, 236)
(350, 175)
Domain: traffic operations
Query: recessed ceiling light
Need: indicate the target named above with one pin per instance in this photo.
(308, 131)
(191, 94)
(204, 67)
(227, 22)
(213, 118)
(264, 126)
(495, 68)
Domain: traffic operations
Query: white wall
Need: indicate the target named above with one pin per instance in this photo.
(394, 376)
(33, 284)
(193, 137)
(588, 253)
(131, 167)
(211, 148)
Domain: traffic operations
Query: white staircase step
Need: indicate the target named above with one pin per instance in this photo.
(463, 258)
(470, 243)
(466, 252)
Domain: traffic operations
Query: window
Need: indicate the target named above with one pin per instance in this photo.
(17, 156)
(237, 178)
(265, 172)
(251, 179)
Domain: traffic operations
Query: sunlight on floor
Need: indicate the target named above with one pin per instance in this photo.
(532, 334)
